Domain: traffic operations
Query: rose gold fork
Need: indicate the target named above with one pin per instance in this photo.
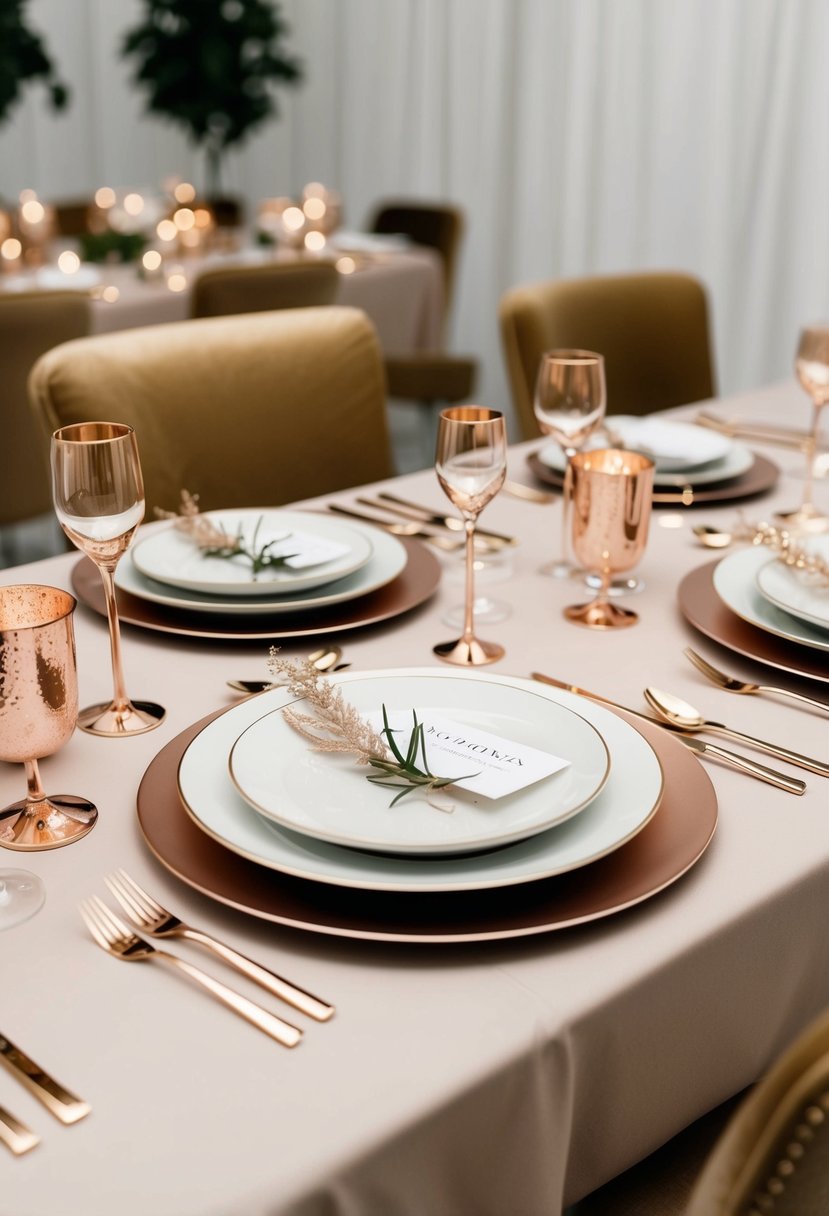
(732, 684)
(112, 935)
(148, 914)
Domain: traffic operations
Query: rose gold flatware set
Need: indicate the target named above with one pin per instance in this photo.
(685, 722)
(63, 1105)
(122, 941)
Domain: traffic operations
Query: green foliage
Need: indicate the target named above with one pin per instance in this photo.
(111, 246)
(23, 58)
(210, 66)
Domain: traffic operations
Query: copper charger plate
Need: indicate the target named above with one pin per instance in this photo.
(760, 478)
(703, 608)
(669, 844)
(414, 585)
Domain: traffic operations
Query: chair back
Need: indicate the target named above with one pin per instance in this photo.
(30, 324)
(652, 329)
(436, 225)
(236, 289)
(243, 411)
(774, 1153)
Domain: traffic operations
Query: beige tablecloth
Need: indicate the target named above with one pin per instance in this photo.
(487, 1079)
(400, 290)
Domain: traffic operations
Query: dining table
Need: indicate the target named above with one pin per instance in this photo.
(400, 289)
(513, 1072)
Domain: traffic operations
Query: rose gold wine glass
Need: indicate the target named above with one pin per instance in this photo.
(99, 499)
(812, 367)
(471, 464)
(612, 496)
(38, 712)
(570, 401)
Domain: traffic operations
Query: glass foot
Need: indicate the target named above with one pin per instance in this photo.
(804, 519)
(469, 654)
(484, 612)
(599, 615)
(559, 569)
(21, 895)
(107, 719)
(47, 824)
(618, 586)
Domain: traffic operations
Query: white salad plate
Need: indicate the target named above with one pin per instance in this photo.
(327, 795)
(170, 556)
(738, 460)
(672, 446)
(791, 591)
(387, 561)
(735, 582)
(628, 800)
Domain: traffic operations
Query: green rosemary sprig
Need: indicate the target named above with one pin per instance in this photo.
(403, 772)
(215, 542)
(345, 731)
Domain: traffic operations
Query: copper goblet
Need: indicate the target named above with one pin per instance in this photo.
(38, 713)
(611, 503)
(812, 369)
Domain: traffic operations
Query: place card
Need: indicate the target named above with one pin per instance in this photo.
(307, 549)
(484, 763)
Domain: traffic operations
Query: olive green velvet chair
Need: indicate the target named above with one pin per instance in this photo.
(30, 323)
(236, 289)
(652, 329)
(244, 411)
(430, 378)
(765, 1153)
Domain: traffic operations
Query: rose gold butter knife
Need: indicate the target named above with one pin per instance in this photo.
(59, 1101)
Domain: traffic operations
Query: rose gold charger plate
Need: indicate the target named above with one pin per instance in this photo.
(759, 479)
(412, 587)
(703, 608)
(668, 846)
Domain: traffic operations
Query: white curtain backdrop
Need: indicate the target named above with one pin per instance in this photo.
(580, 136)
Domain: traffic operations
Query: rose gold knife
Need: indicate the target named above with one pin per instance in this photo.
(57, 1100)
(792, 785)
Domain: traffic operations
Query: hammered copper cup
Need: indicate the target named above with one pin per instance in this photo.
(612, 492)
(38, 712)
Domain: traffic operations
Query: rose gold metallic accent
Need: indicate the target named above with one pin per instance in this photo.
(812, 368)
(96, 477)
(57, 1100)
(471, 464)
(16, 1135)
(666, 848)
(611, 490)
(38, 712)
(417, 582)
(703, 608)
(759, 479)
(111, 934)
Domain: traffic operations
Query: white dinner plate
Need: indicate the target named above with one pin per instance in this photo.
(672, 446)
(791, 592)
(169, 556)
(628, 800)
(387, 561)
(735, 582)
(327, 796)
(738, 461)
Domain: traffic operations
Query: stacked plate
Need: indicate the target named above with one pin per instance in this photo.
(260, 820)
(335, 575)
(757, 606)
(692, 464)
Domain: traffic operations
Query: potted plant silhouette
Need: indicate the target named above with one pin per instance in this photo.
(211, 69)
(23, 59)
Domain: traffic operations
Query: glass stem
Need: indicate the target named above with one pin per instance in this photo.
(120, 699)
(811, 448)
(469, 602)
(35, 791)
(566, 496)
